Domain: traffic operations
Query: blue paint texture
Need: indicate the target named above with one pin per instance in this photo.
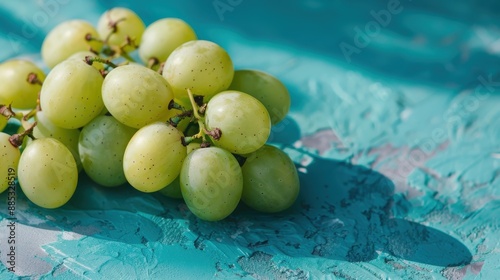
(397, 147)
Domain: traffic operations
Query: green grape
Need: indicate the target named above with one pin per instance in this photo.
(9, 155)
(267, 89)
(3, 122)
(15, 88)
(66, 39)
(243, 120)
(102, 145)
(270, 180)
(136, 96)
(69, 137)
(162, 37)
(83, 54)
(211, 183)
(153, 157)
(71, 94)
(118, 24)
(48, 174)
(202, 66)
(173, 190)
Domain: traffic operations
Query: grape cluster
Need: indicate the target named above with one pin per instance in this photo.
(181, 121)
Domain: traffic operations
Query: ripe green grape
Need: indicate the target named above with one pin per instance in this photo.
(71, 94)
(15, 88)
(211, 183)
(48, 174)
(115, 25)
(136, 96)
(3, 122)
(267, 89)
(66, 39)
(162, 37)
(83, 54)
(153, 157)
(9, 155)
(69, 137)
(202, 66)
(270, 180)
(173, 190)
(243, 120)
(102, 145)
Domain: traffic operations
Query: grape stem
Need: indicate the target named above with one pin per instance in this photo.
(194, 104)
(89, 38)
(91, 59)
(33, 79)
(152, 62)
(203, 132)
(17, 139)
(6, 111)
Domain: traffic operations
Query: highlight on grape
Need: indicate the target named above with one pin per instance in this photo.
(181, 120)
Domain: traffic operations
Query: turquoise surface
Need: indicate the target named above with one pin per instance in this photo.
(394, 128)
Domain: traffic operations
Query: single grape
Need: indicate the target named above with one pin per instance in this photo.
(153, 157)
(9, 155)
(173, 190)
(71, 94)
(102, 145)
(68, 38)
(162, 37)
(48, 174)
(118, 24)
(270, 180)
(136, 96)
(267, 89)
(83, 54)
(243, 120)
(69, 137)
(211, 183)
(202, 66)
(15, 88)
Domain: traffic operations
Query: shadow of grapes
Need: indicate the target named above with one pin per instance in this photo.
(342, 213)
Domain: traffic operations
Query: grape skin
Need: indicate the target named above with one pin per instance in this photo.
(71, 94)
(101, 146)
(267, 89)
(9, 156)
(15, 89)
(66, 39)
(271, 183)
(48, 174)
(211, 183)
(3, 122)
(153, 157)
(69, 137)
(202, 66)
(243, 120)
(162, 37)
(173, 190)
(136, 96)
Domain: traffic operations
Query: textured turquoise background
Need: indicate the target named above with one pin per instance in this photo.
(394, 127)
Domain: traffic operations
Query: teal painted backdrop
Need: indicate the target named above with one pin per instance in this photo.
(394, 128)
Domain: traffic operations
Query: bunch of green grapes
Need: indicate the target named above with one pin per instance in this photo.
(181, 121)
